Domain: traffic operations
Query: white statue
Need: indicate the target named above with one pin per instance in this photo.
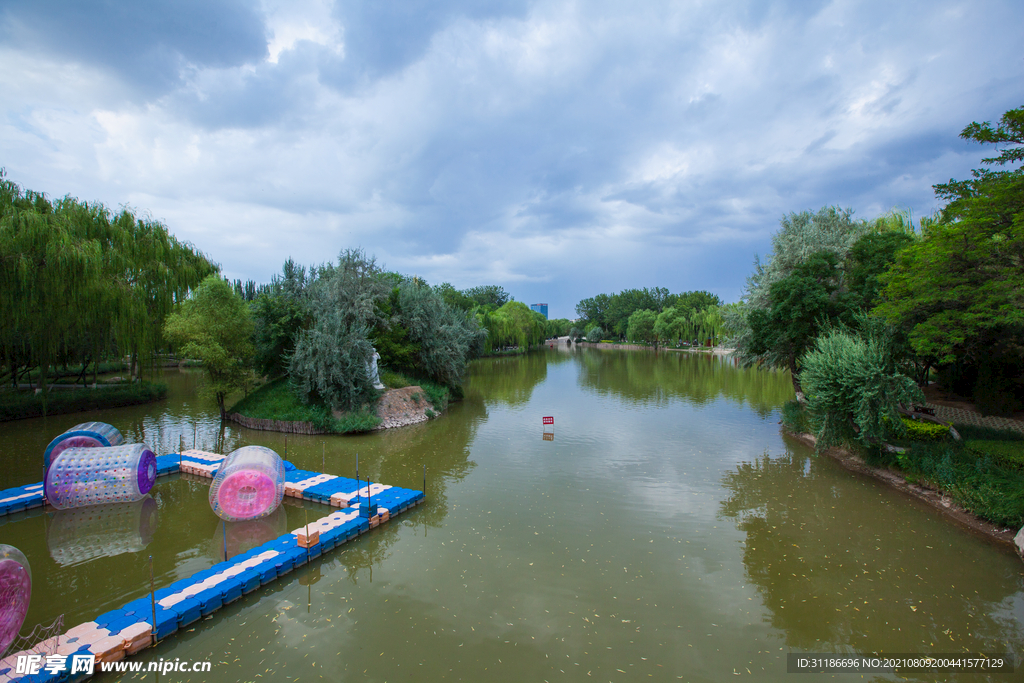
(371, 371)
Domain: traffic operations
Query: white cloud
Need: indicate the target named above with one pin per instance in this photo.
(560, 150)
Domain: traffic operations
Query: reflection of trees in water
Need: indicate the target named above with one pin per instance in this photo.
(442, 444)
(509, 379)
(838, 574)
(651, 378)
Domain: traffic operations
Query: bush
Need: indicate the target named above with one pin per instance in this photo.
(15, 405)
(437, 395)
(851, 379)
(922, 430)
(594, 334)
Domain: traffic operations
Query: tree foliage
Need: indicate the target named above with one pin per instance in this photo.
(81, 283)
(612, 312)
(798, 305)
(330, 359)
(445, 336)
(959, 291)
(641, 326)
(215, 326)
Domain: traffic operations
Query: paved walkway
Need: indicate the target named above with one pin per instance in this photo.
(958, 415)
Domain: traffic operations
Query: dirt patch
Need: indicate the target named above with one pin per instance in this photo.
(938, 500)
(401, 407)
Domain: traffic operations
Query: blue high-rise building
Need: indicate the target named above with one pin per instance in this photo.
(540, 308)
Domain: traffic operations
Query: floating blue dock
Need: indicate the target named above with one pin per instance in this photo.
(122, 632)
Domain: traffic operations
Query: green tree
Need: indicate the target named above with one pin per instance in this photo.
(80, 282)
(802, 234)
(799, 304)
(959, 291)
(641, 326)
(215, 326)
(591, 311)
(331, 356)
(488, 295)
(445, 336)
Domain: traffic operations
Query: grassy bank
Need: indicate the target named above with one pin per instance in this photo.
(983, 473)
(276, 401)
(15, 405)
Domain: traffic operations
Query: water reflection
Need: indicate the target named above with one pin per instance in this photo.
(654, 379)
(511, 379)
(840, 570)
(81, 534)
(233, 538)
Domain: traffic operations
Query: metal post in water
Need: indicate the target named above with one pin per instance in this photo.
(306, 512)
(357, 472)
(286, 446)
(225, 524)
(323, 458)
(195, 430)
(152, 596)
(424, 479)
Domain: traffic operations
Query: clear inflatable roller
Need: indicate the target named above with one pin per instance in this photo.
(97, 476)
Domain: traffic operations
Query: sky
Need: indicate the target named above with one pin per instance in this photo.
(559, 149)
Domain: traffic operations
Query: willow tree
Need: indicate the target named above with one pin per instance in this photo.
(78, 282)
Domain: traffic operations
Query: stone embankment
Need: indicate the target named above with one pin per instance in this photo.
(405, 406)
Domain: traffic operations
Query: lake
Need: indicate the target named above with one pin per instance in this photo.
(662, 528)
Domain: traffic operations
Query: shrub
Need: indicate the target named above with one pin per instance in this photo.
(437, 395)
(969, 432)
(979, 482)
(594, 334)
(15, 405)
(922, 430)
(851, 379)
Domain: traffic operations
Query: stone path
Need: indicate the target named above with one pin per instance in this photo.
(958, 415)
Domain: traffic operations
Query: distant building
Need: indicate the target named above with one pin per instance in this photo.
(540, 308)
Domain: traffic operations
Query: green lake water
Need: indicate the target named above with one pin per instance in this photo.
(663, 530)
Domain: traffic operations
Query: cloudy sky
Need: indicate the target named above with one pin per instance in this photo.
(557, 148)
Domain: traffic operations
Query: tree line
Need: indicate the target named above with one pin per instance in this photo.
(861, 312)
(651, 316)
(320, 326)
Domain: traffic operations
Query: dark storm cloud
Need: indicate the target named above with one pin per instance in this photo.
(148, 43)
(559, 149)
(383, 37)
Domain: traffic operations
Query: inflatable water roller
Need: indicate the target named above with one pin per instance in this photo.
(249, 484)
(85, 435)
(15, 593)
(96, 476)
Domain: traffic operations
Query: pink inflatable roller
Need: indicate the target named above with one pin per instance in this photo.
(15, 593)
(249, 484)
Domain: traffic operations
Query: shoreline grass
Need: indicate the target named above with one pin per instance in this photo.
(276, 401)
(18, 405)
